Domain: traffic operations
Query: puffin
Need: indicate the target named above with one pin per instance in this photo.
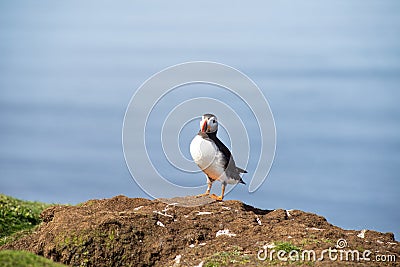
(213, 157)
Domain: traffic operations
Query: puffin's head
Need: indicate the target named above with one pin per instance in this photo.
(208, 123)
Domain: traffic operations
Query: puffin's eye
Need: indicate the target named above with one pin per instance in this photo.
(213, 121)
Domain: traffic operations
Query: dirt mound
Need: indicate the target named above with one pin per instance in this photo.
(139, 232)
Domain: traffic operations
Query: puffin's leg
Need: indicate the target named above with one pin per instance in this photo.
(219, 198)
(209, 184)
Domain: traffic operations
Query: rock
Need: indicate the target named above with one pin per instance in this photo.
(183, 231)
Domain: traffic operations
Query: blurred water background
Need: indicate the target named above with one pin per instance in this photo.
(329, 69)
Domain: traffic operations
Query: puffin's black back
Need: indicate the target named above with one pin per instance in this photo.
(231, 169)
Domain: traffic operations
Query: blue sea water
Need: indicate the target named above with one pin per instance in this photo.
(329, 69)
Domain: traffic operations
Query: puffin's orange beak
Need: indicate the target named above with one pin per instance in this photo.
(204, 127)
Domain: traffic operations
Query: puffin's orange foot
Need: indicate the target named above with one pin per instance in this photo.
(203, 195)
(217, 198)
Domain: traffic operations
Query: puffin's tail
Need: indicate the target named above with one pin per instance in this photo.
(241, 170)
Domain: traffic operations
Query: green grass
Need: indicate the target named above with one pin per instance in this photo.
(226, 258)
(13, 258)
(289, 248)
(18, 217)
(286, 246)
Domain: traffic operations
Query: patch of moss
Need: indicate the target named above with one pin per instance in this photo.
(292, 255)
(326, 240)
(307, 241)
(17, 215)
(11, 258)
(226, 258)
(73, 240)
(78, 243)
(360, 249)
(286, 246)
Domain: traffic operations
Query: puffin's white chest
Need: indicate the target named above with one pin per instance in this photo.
(207, 156)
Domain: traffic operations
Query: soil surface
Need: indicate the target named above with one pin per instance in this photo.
(124, 231)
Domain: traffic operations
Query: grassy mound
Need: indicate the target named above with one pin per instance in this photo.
(23, 258)
(18, 217)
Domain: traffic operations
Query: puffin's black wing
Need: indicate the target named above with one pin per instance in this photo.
(229, 163)
(241, 170)
(221, 147)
